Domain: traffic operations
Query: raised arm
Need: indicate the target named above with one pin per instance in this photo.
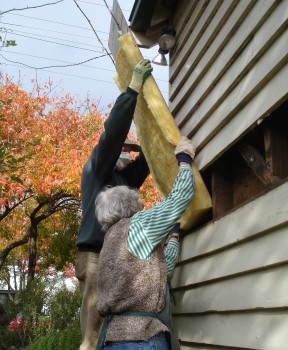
(105, 155)
(149, 227)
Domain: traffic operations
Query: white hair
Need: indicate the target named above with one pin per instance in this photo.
(115, 203)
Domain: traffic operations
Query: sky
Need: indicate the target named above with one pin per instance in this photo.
(59, 34)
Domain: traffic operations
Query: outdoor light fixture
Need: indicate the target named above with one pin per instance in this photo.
(166, 42)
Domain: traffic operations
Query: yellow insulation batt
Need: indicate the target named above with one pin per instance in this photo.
(158, 133)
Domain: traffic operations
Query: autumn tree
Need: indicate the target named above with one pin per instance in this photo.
(46, 141)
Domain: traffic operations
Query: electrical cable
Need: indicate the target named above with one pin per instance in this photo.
(55, 22)
(51, 59)
(68, 63)
(109, 54)
(16, 32)
(72, 75)
(30, 7)
(63, 66)
(52, 42)
(92, 3)
(52, 31)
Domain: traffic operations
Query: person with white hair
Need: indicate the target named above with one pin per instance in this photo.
(108, 164)
(137, 259)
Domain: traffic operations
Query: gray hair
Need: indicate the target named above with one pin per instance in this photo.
(115, 203)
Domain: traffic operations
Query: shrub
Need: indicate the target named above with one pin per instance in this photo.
(47, 314)
(67, 339)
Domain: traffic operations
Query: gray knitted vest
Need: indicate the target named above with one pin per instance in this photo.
(126, 282)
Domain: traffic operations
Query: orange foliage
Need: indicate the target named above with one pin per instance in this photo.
(150, 194)
(54, 140)
(59, 138)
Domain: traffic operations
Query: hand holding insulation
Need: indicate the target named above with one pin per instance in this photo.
(184, 151)
(141, 72)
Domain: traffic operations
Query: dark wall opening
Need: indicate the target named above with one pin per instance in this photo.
(256, 164)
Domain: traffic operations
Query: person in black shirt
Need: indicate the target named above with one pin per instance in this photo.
(108, 164)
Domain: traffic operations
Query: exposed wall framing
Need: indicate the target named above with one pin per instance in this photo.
(257, 163)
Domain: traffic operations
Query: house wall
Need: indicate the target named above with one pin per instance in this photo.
(228, 72)
(231, 282)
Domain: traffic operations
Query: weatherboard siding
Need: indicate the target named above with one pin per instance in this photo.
(230, 286)
(229, 71)
(230, 57)
(264, 330)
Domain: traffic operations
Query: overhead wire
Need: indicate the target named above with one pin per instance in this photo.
(55, 22)
(52, 31)
(73, 75)
(112, 15)
(53, 42)
(68, 64)
(30, 7)
(70, 75)
(21, 33)
(58, 32)
(51, 59)
(67, 45)
(108, 53)
(92, 3)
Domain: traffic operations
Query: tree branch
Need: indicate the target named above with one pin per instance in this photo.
(4, 253)
(55, 203)
(58, 205)
(8, 209)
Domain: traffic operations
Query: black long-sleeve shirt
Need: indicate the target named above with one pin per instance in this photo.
(99, 171)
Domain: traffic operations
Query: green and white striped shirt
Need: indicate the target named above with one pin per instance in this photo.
(149, 227)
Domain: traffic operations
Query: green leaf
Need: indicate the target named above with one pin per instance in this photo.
(10, 43)
(16, 179)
